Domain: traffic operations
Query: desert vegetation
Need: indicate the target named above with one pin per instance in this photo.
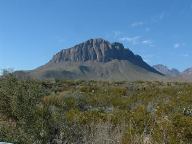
(95, 112)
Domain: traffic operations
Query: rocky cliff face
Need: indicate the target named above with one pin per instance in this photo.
(99, 50)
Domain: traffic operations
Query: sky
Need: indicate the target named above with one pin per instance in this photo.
(32, 31)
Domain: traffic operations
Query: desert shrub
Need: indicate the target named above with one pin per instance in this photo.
(70, 103)
(88, 89)
(7, 91)
(118, 91)
(183, 125)
(19, 100)
(94, 112)
(53, 100)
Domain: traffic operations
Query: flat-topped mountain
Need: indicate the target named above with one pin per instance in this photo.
(96, 59)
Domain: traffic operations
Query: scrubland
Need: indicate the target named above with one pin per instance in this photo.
(95, 112)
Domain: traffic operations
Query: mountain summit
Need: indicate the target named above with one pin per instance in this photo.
(96, 59)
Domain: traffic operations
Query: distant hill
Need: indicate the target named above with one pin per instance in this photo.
(95, 59)
(186, 74)
(166, 71)
(174, 74)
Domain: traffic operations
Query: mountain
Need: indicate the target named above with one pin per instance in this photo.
(166, 71)
(96, 59)
(187, 74)
(174, 74)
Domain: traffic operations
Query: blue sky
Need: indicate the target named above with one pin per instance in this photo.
(32, 31)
